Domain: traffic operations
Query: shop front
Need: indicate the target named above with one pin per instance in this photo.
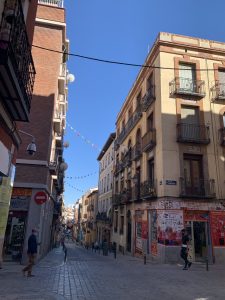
(197, 224)
(217, 221)
(16, 224)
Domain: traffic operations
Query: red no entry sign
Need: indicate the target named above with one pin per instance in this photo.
(40, 198)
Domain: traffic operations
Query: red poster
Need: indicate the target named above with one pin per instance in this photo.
(144, 230)
(218, 228)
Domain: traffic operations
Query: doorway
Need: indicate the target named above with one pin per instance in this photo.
(129, 226)
(200, 245)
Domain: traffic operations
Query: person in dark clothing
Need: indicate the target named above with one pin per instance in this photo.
(31, 252)
(184, 250)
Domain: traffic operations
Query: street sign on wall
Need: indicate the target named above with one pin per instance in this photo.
(40, 197)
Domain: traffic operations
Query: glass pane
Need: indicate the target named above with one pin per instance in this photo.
(187, 172)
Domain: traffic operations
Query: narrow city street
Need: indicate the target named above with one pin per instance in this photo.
(89, 275)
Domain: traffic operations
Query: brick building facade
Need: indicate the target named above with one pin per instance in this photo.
(16, 84)
(44, 171)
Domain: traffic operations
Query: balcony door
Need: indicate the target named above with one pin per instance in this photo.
(193, 175)
(151, 170)
(187, 74)
(222, 82)
(190, 128)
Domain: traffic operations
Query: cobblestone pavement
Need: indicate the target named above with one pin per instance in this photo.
(90, 276)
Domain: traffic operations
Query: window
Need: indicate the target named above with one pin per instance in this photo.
(151, 170)
(138, 103)
(222, 81)
(121, 224)
(190, 128)
(193, 174)
(150, 122)
(115, 221)
(130, 111)
(150, 84)
(187, 74)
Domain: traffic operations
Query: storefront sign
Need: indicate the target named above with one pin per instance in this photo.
(218, 228)
(170, 224)
(200, 216)
(19, 203)
(40, 198)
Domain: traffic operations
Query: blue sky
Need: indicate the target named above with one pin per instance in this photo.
(118, 30)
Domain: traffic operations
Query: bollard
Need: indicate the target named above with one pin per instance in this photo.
(207, 264)
(144, 259)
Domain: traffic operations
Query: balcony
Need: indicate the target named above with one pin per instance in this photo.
(133, 120)
(222, 136)
(149, 140)
(218, 91)
(53, 166)
(193, 133)
(116, 199)
(17, 72)
(62, 78)
(187, 87)
(148, 189)
(119, 167)
(197, 188)
(149, 98)
(56, 3)
(137, 151)
(57, 121)
(126, 196)
(127, 160)
(58, 140)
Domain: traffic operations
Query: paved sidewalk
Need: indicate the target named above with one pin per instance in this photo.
(90, 276)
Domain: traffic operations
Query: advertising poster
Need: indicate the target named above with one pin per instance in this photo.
(138, 244)
(170, 224)
(218, 228)
(154, 239)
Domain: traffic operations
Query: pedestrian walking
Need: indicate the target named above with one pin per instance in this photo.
(184, 249)
(31, 252)
(96, 246)
(105, 247)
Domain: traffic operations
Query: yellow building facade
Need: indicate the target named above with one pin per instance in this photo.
(170, 153)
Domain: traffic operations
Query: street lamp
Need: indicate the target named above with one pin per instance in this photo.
(31, 148)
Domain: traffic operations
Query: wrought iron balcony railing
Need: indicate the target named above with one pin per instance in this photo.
(149, 98)
(17, 72)
(116, 199)
(137, 151)
(126, 196)
(218, 91)
(148, 189)
(222, 136)
(197, 188)
(193, 133)
(187, 86)
(136, 116)
(149, 140)
(57, 3)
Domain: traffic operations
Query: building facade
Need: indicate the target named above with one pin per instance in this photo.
(37, 194)
(17, 76)
(170, 153)
(105, 187)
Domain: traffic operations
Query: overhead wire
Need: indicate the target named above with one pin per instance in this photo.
(113, 61)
